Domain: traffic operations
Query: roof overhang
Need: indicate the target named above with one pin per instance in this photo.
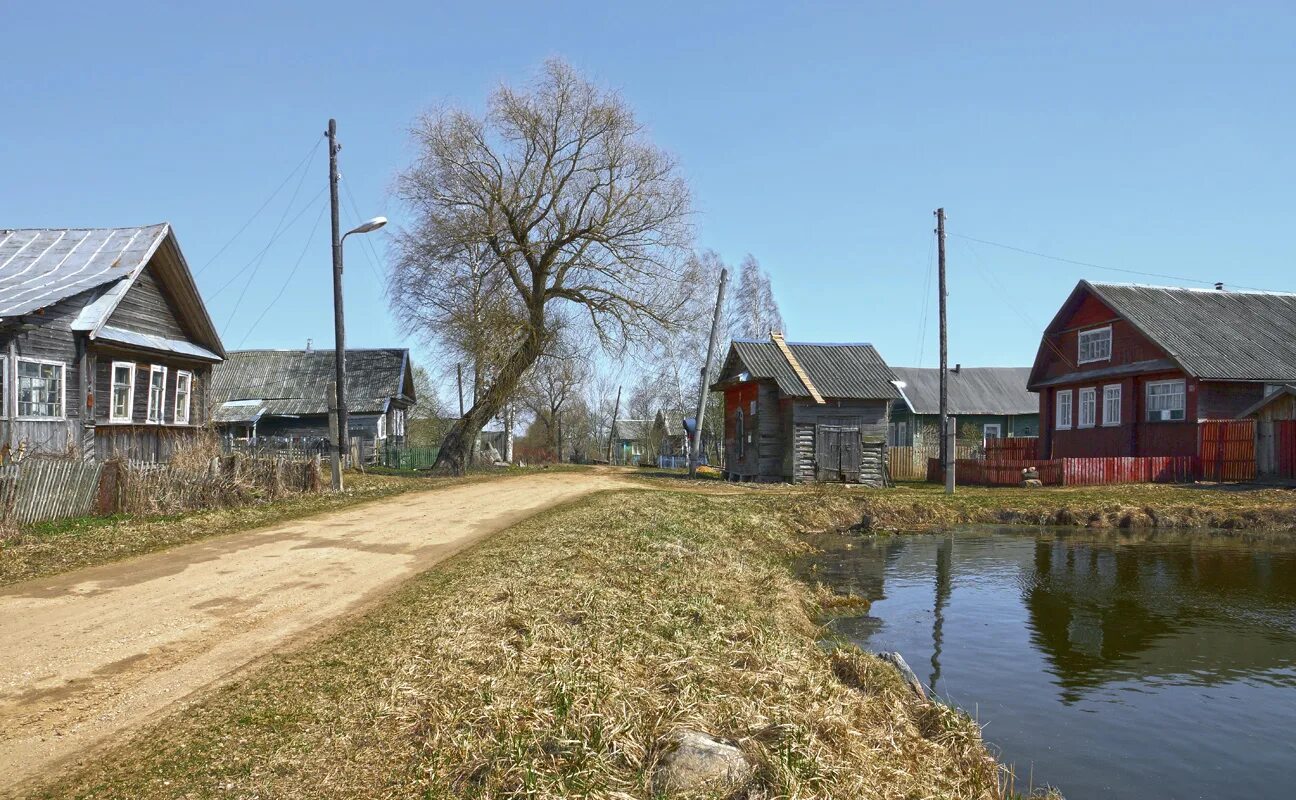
(155, 343)
(1287, 390)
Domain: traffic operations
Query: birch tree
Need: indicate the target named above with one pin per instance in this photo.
(568, 210)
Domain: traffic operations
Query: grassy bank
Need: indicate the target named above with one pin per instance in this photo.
(924, 506)
(555, 660)
(53, 547)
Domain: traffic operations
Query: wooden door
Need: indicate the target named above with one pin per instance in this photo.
(837, 453)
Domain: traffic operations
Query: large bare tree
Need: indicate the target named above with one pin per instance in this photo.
(559, 199)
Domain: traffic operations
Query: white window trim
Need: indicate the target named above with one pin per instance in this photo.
(188, 396)
(985, 431)
(382, 426)
(1092, 392)
(1147, 398)
(1120, 398)
(62, 417)
(161, 420)
(4, 387)
(130, 393)
(1080, 359)
(1058, 423)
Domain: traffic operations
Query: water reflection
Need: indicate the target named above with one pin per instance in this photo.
(1113, 664)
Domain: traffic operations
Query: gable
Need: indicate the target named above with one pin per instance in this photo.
(145, 309)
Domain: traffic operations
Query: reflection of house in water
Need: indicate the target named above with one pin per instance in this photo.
(1209, 612)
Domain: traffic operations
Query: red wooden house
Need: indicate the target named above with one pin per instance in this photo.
(1127, 370)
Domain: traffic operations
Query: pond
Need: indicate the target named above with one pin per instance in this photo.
(1106, 664)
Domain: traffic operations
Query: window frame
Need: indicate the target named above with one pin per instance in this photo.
(1080, 340)
(1090, 392)
(188, 395)
(113, 419)
(985, 431)
(382, 427)
(161, 404)
(63, 367)
(1057, 410)
(740, 431)
(1107, 405)
(1183, 397)
(4, 387)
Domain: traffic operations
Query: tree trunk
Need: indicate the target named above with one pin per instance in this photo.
(558, 424)
(460, 441)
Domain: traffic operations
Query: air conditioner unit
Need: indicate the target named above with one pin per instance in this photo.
(1166, 415)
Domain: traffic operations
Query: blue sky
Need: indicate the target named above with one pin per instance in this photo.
(818, 137)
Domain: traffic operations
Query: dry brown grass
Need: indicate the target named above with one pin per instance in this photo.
(552, 661)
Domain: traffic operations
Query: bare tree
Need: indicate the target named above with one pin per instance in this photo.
(552, 386)
(564, 205)
(751, 311)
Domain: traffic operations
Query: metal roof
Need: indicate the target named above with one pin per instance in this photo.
(39, 267)
(296, 382)
(151, 341)
(972, 390)
(1212, 334)
(844, 371)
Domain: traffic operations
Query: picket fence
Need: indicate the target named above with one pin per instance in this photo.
(910, 463)
(1072, 471)
(43, 489)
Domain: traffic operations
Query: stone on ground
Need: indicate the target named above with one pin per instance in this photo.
(698, 762)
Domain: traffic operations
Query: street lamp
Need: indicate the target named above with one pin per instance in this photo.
(366, 227)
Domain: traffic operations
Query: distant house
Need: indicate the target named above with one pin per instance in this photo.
(1127, 370)
(282, 396)
(805, 412)
(105, 344)
(630, 440)
(988, 402)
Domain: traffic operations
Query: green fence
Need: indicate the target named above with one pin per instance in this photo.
(407, 457)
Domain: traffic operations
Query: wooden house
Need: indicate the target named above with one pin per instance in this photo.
(281, 397)
(1126, 370)
(106, 347)
(805, 412)
(1275, 432)
(988, 403)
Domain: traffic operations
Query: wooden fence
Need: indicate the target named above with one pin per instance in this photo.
(42, 489)
(1284, 445)
(1226, 448)
(910, 463)
(1071, 471)
(1018, 448)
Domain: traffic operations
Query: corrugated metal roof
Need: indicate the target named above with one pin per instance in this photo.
(296, 382)
(972, 390)
(42, 266)
(846, 371)
(150, 341)
(1213, 335)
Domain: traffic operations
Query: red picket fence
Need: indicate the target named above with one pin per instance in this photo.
(1226, 448)
(1129, 469)
(1020, 448)
(1285, 448)
(975, 472)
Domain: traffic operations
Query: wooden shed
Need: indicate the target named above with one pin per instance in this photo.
(805, 412)
(1275, 432)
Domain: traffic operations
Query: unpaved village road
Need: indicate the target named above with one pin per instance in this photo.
(87, 655)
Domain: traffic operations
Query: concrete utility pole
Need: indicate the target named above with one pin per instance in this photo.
(695, 452)
(616, 409)
(947, 448)
(340, 441)
(459, 373)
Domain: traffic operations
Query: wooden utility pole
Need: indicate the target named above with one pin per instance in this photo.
(616, 409)
(695, 452)
(459, 373)
(340, 441)
(947, 463)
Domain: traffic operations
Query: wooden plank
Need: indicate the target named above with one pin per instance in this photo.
(777, 338)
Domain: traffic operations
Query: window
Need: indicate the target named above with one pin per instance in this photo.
(382, 426)
(4, 387)
(122, 397)
(1112, 404)
(1095, 345)
(156, 394)
(740, 433)
(184, 386)
(41, 390)
(1063, 420)
(1165, 401)
(991, 431)
(1088, 407)
(899, 434)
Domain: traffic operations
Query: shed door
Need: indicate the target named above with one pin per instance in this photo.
(837, 453)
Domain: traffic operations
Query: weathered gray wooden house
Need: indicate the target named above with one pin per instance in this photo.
(987, 402)
(105, 344)
(281, 397)
(805, 412)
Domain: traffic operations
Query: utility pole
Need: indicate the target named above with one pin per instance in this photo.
(459, 373)
(340, 442)
(945, 438)
(616, 409)
(695, 452)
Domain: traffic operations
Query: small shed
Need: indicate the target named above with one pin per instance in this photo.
(1275, 432)
(805, 412)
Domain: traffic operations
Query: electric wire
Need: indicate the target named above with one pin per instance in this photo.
(926, 294)
(301, 257)
(305, 207)
(371, 254)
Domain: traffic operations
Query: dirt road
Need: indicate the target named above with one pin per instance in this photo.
(87, 655)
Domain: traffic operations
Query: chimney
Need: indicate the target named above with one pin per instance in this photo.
(308, 345)
(1219, 286)
(956, 369)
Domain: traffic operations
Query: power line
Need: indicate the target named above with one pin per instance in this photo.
(314, 148)
(1003, 291)
(305, 207)
(358, 219)
(1095, 266)
(309, 237)
(922, 326)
